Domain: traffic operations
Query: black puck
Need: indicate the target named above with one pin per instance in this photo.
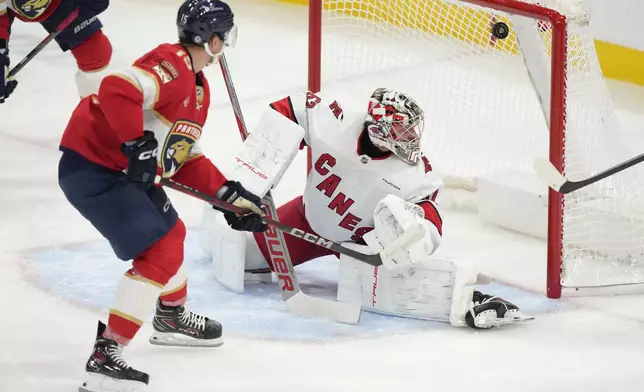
(500, 30)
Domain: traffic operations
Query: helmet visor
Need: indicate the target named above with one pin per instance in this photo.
(230, 37)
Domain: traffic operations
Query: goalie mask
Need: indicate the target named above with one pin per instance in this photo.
(395, 122)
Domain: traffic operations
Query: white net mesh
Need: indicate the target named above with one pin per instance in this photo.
(482, 113)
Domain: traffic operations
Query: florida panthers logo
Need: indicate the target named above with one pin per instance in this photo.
(31, 9)
(178, 145)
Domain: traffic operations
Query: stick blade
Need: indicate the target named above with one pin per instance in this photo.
(340, 312)
(549, 174)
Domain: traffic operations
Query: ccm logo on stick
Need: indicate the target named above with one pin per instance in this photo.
(312, 238)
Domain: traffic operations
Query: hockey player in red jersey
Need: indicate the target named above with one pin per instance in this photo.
(83, 37)
(369, 183)
(147, 121)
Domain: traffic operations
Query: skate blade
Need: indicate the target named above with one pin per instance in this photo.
(99, 383)
(179, 340)
(483, 321)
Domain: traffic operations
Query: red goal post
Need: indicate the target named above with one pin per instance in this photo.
(359, 16)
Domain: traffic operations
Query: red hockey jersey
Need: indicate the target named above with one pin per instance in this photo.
(161, 93)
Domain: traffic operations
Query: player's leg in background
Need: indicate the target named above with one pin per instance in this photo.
(85, 39)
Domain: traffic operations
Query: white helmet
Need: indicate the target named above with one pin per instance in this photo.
(395, 122)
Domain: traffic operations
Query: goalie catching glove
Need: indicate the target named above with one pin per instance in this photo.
(234, 193)
(393, 217)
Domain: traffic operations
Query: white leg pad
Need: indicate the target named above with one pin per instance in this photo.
(135, 298)
(233, 252)
(89, 82)
(228, 254)
(255, 261)
(435, 289)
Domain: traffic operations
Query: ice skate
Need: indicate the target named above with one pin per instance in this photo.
(490, 311)
(178, 326)
(108, 372)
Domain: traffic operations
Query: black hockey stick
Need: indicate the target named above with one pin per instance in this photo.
(555, 180)
(50, 37)
(294, 298)
(375, 259)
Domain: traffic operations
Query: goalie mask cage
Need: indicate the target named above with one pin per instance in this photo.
(493, 103)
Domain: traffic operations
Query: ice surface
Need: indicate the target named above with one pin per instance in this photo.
(57, 274)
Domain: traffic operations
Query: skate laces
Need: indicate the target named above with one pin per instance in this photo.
(480, 298)
(193, 320)
(116, 354)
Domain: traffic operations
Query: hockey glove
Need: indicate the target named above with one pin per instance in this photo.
(234, 193)
(142, 159)
(7, 85)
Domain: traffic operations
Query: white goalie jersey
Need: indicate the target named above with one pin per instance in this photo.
(344, 186)
(364, 197)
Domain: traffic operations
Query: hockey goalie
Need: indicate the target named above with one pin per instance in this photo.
(369, 182)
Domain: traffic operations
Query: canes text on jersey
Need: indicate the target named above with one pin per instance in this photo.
(340, 203)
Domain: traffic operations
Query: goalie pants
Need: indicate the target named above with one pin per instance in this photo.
(292, 214)
(131, 219)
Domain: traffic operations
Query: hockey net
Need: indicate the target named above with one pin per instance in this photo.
(494, 103)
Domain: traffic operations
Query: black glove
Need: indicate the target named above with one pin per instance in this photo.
(142, 159)
(250, 222)
(7, 85)
(234, 193)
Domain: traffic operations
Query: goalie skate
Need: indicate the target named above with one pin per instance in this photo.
(490, 311)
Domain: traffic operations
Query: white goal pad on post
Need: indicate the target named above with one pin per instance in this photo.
(501, 82)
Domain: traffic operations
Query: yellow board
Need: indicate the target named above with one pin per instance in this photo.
(617, 62)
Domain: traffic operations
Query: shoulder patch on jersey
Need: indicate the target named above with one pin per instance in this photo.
(164, 75)
(177, 147)
(170, 68)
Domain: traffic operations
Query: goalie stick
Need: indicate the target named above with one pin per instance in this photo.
(294, 299)
(50, 37)
(555, 180)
